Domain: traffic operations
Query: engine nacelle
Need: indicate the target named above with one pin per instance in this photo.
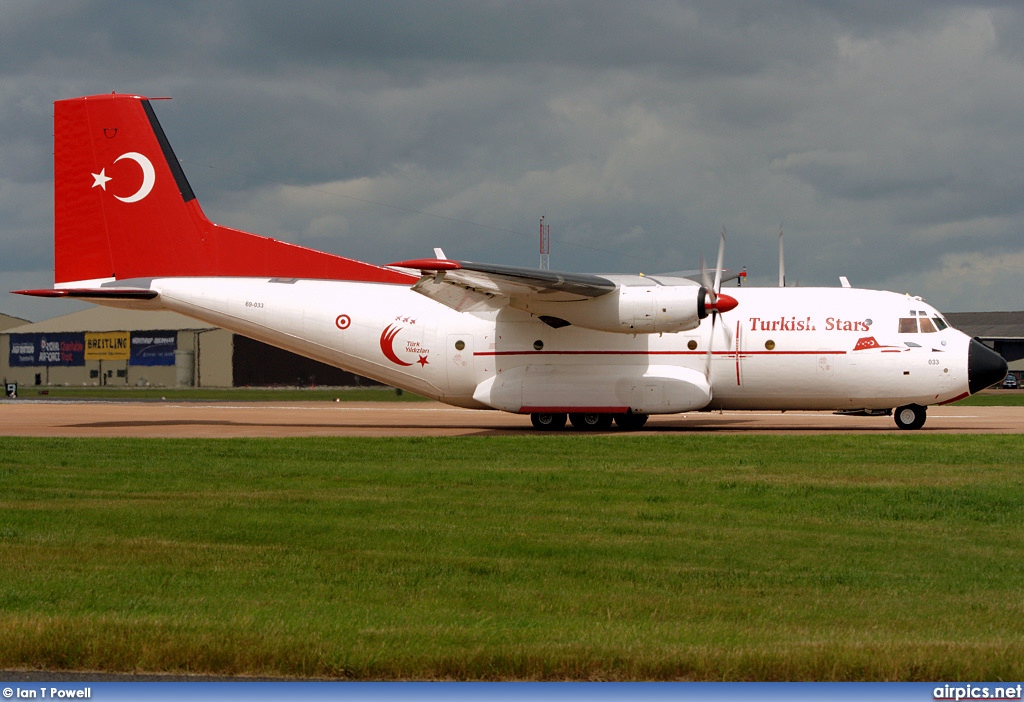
(629, 309)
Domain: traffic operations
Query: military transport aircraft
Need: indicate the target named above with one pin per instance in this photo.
(595, 349)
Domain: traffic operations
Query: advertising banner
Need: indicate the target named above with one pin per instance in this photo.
(153, 348)
(107, 346)
(63, 349)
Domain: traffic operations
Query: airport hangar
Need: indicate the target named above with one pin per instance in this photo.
(117, 347)
(7, 321)
(1003, 332)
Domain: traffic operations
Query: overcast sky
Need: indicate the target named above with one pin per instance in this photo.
(886, 138)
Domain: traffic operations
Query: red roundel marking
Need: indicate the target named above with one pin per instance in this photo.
(343, 321)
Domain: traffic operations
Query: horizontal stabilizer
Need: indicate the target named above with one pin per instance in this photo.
(94, 293)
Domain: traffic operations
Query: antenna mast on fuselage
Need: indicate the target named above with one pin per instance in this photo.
(545, 245)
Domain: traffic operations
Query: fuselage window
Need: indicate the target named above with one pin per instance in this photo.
(908, 325)
(926, 326)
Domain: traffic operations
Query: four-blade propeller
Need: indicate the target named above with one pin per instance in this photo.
(719, 302)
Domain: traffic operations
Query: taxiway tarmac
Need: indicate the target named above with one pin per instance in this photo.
(276, 419)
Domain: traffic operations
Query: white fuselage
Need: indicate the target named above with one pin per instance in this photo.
(780, 348)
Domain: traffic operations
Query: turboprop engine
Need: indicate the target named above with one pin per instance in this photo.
(635, 306)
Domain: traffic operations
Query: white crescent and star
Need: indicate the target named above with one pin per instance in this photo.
(148, 177)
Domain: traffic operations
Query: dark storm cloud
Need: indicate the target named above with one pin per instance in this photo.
(885, 136)
(440, 34)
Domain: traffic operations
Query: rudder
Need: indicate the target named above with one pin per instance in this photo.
(123, 209)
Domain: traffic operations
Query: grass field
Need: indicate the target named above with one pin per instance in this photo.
(1005, 398)
(542, 557)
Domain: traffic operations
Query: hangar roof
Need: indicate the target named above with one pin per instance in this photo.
(989, 325)
(7, 321)
(102, 319)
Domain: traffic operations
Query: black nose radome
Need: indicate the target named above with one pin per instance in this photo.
(985, 367)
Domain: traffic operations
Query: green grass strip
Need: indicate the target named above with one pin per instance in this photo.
(534, 557)
(1010, 398)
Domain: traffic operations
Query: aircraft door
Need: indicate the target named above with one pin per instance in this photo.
(459, 361)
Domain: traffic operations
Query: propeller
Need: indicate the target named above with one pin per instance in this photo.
(782, 262)
(719, 302)
(718, 266)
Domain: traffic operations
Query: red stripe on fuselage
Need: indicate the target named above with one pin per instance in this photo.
(526, 352)
(955, 399)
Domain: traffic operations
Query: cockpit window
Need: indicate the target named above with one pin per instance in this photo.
(909, 325)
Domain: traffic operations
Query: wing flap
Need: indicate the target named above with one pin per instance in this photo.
(457, 297)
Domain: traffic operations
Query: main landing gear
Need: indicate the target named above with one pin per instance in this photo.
(910, 416)
(587, 421)
(548, 421)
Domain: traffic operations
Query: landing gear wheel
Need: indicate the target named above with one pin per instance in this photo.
(910, 416)
(548, 421)
(630, 422)
(590, 421)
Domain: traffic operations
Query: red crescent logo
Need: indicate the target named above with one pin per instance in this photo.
(387, 338)
(148, 176)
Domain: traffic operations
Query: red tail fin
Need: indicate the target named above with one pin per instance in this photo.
(124, 209)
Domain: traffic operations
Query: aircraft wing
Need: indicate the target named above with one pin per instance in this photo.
(463, 285)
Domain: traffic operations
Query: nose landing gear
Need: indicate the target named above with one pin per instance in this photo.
(910, 416)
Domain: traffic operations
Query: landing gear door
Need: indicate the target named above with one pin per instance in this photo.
(459, 361)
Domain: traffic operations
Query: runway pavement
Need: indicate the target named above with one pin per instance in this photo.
(216, 419)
